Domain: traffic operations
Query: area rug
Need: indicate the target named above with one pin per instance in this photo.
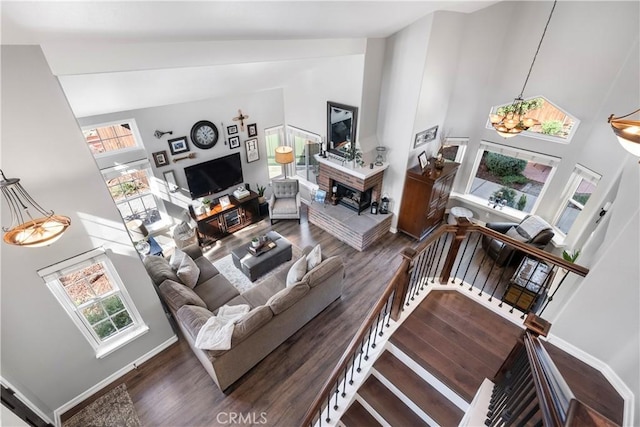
(113, 409)
(239, 280)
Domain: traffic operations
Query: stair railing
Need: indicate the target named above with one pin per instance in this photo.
(439, 256)
(529, 389)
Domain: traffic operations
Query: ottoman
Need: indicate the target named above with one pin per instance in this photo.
(255, 266)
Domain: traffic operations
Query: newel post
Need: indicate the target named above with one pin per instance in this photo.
(401, 280)
(461, 233)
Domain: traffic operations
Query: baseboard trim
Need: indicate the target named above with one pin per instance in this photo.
(25, 400)
(111, 378)
(609, 374)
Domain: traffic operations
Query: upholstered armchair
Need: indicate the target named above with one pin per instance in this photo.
(186, 232)
(532, 230)
(285, 200)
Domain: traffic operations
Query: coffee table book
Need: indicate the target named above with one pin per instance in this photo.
(265, 247)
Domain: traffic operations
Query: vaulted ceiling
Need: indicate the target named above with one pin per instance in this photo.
(115, 56)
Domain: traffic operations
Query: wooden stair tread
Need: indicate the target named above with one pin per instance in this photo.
(588, 384)
(358, 416)
(423, 394)
(388, 405)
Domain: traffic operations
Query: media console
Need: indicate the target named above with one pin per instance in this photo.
(220, 222)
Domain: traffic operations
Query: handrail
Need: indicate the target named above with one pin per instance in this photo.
(397, 290)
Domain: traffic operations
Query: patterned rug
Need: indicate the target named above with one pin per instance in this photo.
(113, 409)
(239, 280)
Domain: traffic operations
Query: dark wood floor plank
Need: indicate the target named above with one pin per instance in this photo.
(388, 405)
(173, 389)
(358, 416)
(427, 398)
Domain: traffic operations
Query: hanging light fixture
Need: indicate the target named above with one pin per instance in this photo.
(511, 120)
(628, 132)
(31, 225)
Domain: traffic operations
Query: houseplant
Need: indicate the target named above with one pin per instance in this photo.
(261, 189)
(207, 204)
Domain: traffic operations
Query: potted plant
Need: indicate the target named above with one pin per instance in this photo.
(255, 242)
(261, 189)
(207, 204)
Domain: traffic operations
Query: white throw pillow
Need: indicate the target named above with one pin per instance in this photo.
(188, 272)
(176, 259)
(314, 258)
(297, 271)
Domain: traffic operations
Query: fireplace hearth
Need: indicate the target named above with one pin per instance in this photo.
(354, 199)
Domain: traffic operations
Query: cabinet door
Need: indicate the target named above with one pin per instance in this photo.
(212, 227)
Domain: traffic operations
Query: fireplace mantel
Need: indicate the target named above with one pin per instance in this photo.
(358, 172)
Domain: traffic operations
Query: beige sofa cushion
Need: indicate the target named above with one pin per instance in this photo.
(328, 267)
(176, 295)
(216, 291)
(192, 318)
(159, 269)
(251, 322)
(188, 272)
(287, 297)
(259, 295)
(297, 271)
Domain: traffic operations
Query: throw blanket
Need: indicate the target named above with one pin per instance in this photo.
(533, 225)
(216, 333)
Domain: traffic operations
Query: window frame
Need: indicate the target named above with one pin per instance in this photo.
(51, 276)
(270, 153)
(530, 156)
(134, 131)
(542, 136)
(293, 132)
(579, 174)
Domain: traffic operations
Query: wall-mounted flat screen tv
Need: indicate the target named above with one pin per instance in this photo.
(214, 176)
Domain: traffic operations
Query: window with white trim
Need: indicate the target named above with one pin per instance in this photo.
(132, 188)
(581, 186)
(91, 292)
(517, 177)
(454, 149)
(273, 137)
(305, 145)
(110, 138)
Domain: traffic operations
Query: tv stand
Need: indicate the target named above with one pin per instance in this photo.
(220, 222)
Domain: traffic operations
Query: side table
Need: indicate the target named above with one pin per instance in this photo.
(528, 284)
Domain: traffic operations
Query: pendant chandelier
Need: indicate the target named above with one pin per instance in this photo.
(628, 132)
(31, 225)
(511, 120)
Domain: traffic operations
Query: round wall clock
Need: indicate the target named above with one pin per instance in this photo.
(204, 134)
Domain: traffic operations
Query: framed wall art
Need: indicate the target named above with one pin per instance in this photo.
(178, 145)
(160, 158)
(422, 159)
(232, 130)
(170, 179)
(425, 136)
(234, 142)
(251, 145)
(252, 130)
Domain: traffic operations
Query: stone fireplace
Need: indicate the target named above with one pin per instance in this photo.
(356, 188)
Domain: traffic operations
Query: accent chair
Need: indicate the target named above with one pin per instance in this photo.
(285, 200)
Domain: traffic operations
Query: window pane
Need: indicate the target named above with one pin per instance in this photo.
(517, 181)
(122, 320)
(94, 313)
(272, 139)
(583, 192)
(113, 304)
(568, 216)
(110, 138)
(450, 152)
(104, 329)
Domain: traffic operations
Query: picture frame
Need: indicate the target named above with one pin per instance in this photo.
(234, 142)
(423, 160)
(160, 158)
(170, 179)
(320, 196)
(224, 201)
(252, 130)
(178, 145)
(425, 136)
(251, 145)
(232, 130)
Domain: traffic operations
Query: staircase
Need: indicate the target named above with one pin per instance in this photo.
(433, 365)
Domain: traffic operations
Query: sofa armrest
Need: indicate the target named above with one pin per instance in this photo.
(193, 251)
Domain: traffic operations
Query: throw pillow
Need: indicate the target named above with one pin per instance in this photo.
(176, 259)
(513, 233)
(188, 272)
(297, 271)
(314, 258)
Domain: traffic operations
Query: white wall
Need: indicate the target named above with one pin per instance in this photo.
(405, 56)
(44, 354)
(263, 108)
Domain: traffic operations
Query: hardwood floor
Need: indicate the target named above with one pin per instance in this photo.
(172, 389)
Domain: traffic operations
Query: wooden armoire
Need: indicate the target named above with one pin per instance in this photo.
(424, 199)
